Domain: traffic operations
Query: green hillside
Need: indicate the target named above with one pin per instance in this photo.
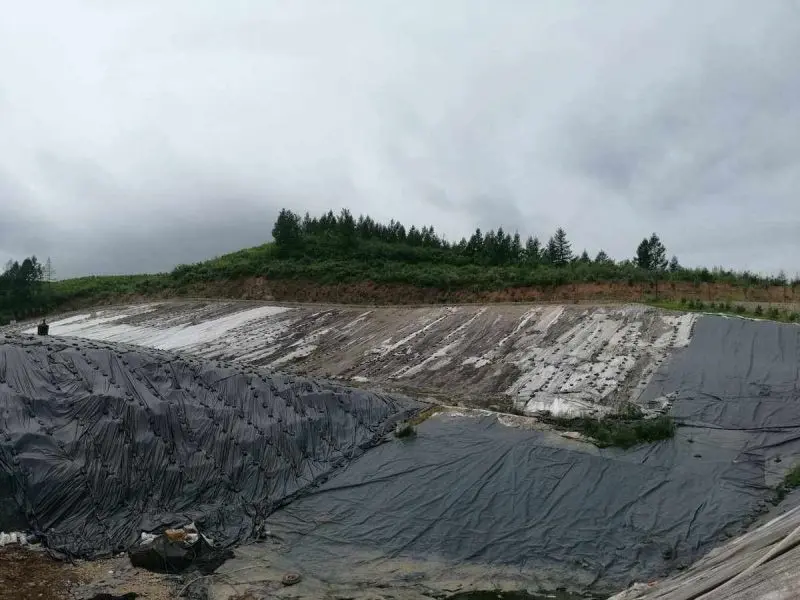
(333, 250)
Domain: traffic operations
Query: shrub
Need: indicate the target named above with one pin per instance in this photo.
(790, 482)
(758, 311)
(405, 430)
(624, 430)
(740, 309)
(773, 313)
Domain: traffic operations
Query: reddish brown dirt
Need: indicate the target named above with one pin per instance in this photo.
(371, 293)
(258, 288)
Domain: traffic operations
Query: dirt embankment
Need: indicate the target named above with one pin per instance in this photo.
(556, 357)
(370, 293)
(259, 288)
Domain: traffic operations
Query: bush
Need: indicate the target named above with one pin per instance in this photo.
(790, 482)
(405, 430)
(758, 311)
(741, 309)
(773, 313)
(624, 430)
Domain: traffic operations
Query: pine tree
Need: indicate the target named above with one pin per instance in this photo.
(516, 248)
(550, 252)
(674, 265)
(414, 236)
(585, 257)
(643, 259)
(49, 271)
(602, 258)
(559, 249)
(286, 232)
(651, 254)
(500, 250)
(658, 254)
(475, 244)
(533, 251)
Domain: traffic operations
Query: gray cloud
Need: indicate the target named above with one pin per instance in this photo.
(138, 135)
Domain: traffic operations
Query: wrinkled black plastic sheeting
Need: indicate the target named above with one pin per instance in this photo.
(101, 442)
(741, 377)
(12, 517)
(476, 492)
(163, 555)
(469, 490)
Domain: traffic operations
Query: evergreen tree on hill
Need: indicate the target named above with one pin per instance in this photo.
(287, 230)
(651, 254)
(516, 248)
(658, 254)
(559, 249)
(643, 260)
(533, 251)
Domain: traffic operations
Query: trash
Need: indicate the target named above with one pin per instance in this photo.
(177, 550)
(43, 328)
(147, 538)
(15, 537)
(290, 579)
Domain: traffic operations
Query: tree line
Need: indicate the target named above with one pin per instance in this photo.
(23, 289)
(334, 235)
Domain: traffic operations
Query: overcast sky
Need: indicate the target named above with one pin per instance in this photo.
(138, 134)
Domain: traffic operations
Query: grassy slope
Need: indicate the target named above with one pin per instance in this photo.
(772, 313)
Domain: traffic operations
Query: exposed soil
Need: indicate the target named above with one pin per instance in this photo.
(257, 288)
(27, 574)
(367, 292)
(528, 357)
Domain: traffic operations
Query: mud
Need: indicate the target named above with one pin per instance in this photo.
(560, 358)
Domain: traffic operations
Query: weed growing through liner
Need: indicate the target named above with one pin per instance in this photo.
(790, 482)
(623, 430)
(405, 430)
(773, 313)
